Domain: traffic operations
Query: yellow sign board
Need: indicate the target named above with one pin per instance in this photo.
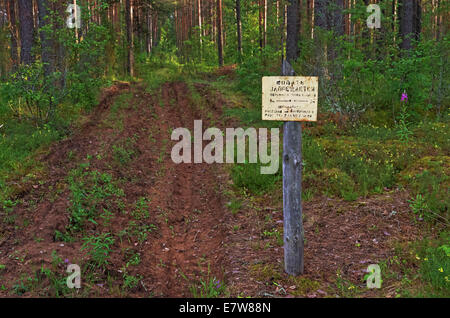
(290, 98)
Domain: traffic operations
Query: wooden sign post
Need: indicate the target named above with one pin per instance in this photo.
(291, 99)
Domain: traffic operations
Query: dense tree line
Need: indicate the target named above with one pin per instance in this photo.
(114, 33)
(204, 19)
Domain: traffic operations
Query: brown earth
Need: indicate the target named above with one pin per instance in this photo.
(185, 201)
(197, 237)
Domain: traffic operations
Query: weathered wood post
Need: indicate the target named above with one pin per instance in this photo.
(292, 191)
(291, 99)
(292, 161)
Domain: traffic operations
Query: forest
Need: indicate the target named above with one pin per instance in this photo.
(92, 203)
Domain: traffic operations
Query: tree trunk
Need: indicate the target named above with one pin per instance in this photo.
(130, 40)
(219, 32)
(13, 21)
(148, 36)
(260, 25)
(337, 17)
(417, 18)
(320, 13)
(292, 31)
(239, 27)
(406, 23)
(26, 31)
(46, 42)
(199, 14)
(265, 24)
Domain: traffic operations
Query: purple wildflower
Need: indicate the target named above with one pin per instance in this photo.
(66, 261)
(404, 97)
(217, 282)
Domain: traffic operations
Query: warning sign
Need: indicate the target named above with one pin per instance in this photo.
(289, 98)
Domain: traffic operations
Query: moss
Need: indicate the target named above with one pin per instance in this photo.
(434, 164)
(428, 180)
(434, 133)
(427, 174)
(331, 181)
(265, 272)
(303, 285)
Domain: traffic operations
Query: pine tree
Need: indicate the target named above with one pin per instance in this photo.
(26, 31)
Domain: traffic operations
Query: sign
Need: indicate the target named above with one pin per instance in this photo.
(290, 98)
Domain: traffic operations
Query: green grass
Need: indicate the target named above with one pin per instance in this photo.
(369, 159)
(48, 281)
(435, 265)
(359, 160)
(89, 191)
(235, 205)
(428, 180)
(207, 286)
(18, 142)
(419, 268)
(125, 151)
(248, 176)
(141, 210)
(121, 102)
(140, 230)
(99, 248)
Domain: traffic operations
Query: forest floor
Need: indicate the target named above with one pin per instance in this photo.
(110, 199)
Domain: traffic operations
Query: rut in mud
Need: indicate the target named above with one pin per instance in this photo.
(186, 209)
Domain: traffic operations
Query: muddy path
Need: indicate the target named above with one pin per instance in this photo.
(186, 210)
(170, 222)
(189, 203)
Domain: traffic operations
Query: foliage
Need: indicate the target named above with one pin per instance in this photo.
(99, 248)
(428, 179)
(89, 191)
(435, 265)
(142, 209)
(249, 177)
(29, 94)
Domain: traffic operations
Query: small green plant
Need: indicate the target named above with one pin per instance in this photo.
(24, 285)
(210, 288)
(56, 259)
(90, 190)
(163, 151)
(99, 248)
(64, 237)
(134, 260)
(435, 268)
(123, 154)
(130, 281)
(235, 206)
(107, 216)
(419, 206)
(346, 288)
(142, 209)
(274, 233)
(20, 288)
(140, 230)
(207, 286)
(403, 131)
(58, 283)
(307, 195)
